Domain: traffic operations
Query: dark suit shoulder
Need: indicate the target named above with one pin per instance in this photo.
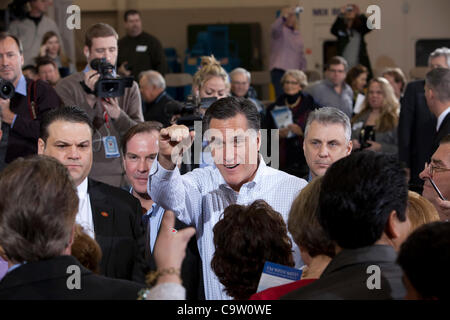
(112, 193)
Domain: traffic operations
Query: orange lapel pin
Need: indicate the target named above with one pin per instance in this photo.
(105, 214)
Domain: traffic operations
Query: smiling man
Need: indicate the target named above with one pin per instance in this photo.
(327, 139)
(199, 197)
(108, 214)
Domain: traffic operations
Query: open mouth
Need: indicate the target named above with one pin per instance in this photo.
(231, 166)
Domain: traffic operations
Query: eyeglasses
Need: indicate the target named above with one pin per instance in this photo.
(291, 82)
(434, 169)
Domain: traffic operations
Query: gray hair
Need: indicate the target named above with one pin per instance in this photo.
(330, 115)
(154, 78)
(241, 70)
(439, 80)
(444, 51)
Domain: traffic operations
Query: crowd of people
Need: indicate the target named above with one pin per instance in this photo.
(104, 185)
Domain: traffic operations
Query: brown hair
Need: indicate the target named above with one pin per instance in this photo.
(4, 35)
(420, 210)
(354, 73)
(86, 250)
(38, 204)
(303, 224)
(147, 126)
(398, 76)
(244, 239)
(99, 30)
(65, 61)
(335, 61)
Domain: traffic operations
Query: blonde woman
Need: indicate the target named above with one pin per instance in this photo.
(211, 80)
(420, 211)
(375, 127)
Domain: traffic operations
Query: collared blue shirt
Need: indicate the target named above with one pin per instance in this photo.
(156, 213)
(22, 89)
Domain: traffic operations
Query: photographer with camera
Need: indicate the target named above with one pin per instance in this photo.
(22, 102)
(350, 28)
(113, 104)
(375, 127)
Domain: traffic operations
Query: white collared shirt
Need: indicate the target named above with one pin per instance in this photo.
(199, 198)
(84, 214)
(441, 118)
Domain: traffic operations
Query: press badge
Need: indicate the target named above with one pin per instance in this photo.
(111, 147)
(141, 48)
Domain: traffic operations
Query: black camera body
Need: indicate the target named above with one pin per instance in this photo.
(6, 89)
(366, 133)
(192, 110)
(107, 85)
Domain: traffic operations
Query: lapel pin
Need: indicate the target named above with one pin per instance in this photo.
(105, 214)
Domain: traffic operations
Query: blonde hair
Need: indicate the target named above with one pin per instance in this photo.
(297, 75)
(420, 210)
(209, 68)
(388, 119)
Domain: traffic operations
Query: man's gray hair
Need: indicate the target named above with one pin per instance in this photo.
(154, 78)
(330, 115)
(444, 51)
(241, 70)
(439, 81)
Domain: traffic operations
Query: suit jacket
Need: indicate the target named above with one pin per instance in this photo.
(444, 130)
(48, 280)
(416, 131)
(24, 134)
(191, 269)
(347, 275)
(118, 231)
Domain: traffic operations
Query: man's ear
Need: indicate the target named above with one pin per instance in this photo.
(86, 52)
(349, 147)
(396, 229)
(41, 146)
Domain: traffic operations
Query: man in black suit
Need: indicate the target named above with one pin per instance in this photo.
(140, 147)
(417, 125)
(36, 235)
(158, 105)
(108, 214)
(437, 93)
(362, 207)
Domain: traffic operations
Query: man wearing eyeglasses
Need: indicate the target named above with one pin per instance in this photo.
(333, 91)
(438, 173)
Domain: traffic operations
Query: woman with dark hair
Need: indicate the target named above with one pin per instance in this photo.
(316, 248)
(244, 239)
(357, 79)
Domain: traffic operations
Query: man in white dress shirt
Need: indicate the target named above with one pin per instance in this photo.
(199, 197)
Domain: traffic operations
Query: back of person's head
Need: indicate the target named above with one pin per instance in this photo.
(153, 78)
(244, 239)
(303, 224)
(229, 107)
(439, 81)
(209, 67)
(141, 127)
(68, 113)
(358, 195)
(420, 211)
(336, 60)
(330, 115)
(298, 75)
(425, 260)
(99, 30)
(440, 52)
(38, 204)
(86, 250)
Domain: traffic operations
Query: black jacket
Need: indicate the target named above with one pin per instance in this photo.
(118, 231)
(49, 279)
